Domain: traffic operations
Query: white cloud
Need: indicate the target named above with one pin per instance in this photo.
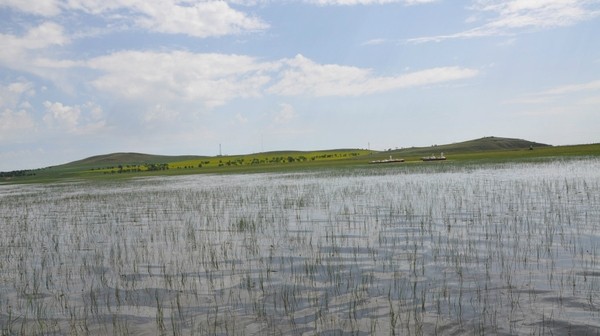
(43, 36)
(517, 16)
(62, 116)
(203, 19)
(37, 7)
(215, 79)
(18, 50)
(78, 119)
(16, 120)
(305, 77)
(11, 94)
(211, 78)
(537, 14)
(20, 88)
(194, 18)
(28, 53)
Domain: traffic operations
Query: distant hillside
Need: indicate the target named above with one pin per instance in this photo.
(128, 158)
(112, 165)
(477, 145)
(494, 143)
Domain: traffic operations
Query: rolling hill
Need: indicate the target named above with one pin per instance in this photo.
(131, 164)
(128, 159)
(477, 145)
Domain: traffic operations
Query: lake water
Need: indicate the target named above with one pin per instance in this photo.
(390, 250)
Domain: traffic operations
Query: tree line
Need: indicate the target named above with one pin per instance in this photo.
(134, 168)
(17, 173)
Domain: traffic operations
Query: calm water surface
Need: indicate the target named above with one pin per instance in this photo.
(396, 250)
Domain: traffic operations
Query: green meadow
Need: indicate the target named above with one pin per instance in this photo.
(126, 165)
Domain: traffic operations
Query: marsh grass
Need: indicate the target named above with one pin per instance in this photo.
(428, 249)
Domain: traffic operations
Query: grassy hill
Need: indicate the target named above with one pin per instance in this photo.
(116, 159)
(477, 145)
(493, 143)
(119, 165)
(493, 149)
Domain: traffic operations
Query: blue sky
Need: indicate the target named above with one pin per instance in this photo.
(88, 77)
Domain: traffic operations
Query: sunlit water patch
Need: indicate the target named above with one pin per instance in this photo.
(428, 249)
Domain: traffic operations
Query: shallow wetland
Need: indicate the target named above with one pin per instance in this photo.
(410, 249)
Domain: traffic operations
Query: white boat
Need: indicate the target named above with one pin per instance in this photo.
(434, 158)
(390, 160)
